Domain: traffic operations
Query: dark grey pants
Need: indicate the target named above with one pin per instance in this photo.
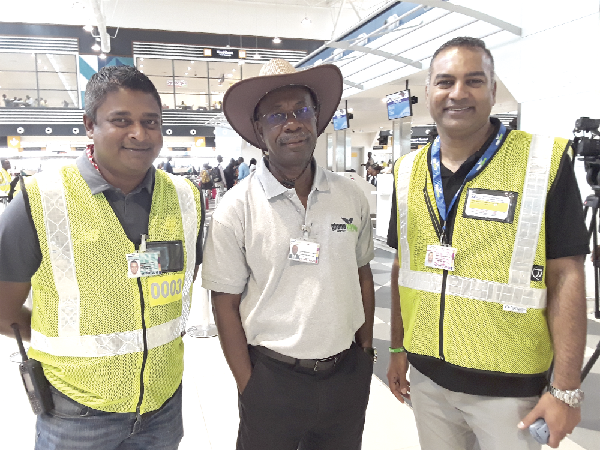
(287, 408)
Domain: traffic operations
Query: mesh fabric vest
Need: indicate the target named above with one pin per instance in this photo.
(476, 330)
(92, 350)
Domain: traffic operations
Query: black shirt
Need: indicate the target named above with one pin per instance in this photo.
(564, 211)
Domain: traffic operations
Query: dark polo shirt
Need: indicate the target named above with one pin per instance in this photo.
(20, 253)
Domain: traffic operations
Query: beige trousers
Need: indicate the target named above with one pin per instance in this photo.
(449, 420)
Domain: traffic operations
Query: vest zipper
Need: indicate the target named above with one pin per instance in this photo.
(137, 424)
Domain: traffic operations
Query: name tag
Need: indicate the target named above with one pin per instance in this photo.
(485, 204)
(304, 251)
(165, 289)
(440, 257)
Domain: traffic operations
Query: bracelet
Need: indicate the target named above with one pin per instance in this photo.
(397, 350)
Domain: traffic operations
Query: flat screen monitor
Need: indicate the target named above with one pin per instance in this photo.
(340, 120)
(399, 104)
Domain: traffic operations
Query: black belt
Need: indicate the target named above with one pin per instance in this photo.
(314, 364)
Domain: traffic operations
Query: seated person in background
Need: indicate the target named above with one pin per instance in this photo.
(372, 172)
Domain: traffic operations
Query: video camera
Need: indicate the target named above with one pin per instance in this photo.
(586, 145)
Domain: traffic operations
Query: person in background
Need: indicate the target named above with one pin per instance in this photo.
(252, 166)
(229, 174)
(243, 169)
(5, 177)
(168, 167)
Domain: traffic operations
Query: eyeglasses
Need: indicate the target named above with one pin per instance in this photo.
(304, 114)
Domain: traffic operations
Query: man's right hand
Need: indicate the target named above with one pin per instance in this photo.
(397, 381)
(242, 382)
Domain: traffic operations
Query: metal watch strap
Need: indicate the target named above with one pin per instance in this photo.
(371, 351)
(573, 398)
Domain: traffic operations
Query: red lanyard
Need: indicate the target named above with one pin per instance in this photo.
(89, 151)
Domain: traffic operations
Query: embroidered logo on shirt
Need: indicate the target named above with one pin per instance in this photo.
(341, 227)
(537, 273)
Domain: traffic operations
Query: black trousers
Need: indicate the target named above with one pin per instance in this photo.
(287, 408)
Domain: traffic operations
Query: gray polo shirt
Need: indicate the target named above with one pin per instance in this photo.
(297, 309)
(20, 253)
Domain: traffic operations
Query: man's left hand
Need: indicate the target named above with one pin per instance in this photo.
(559, 416)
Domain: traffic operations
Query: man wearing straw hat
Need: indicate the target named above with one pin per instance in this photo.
(296, 331)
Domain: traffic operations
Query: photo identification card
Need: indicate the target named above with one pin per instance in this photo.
(485, 204)
(440, 257)
(304, 251)
(143, 264)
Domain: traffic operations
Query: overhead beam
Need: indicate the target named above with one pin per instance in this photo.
(354, 85)
(355, 10)
(346, 46)
(472, 13)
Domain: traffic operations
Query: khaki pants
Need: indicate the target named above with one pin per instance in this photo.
(449, 420)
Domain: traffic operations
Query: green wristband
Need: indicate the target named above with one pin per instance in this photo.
(397, 350)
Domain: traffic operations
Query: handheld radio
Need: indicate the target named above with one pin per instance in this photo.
(36, 384)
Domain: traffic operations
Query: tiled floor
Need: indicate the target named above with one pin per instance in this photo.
(210, 396)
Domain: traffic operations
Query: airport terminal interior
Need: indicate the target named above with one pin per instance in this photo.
(193, 51)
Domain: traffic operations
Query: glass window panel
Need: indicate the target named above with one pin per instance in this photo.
(250, 70)
(189, 102)
(184, 68)
(167, 99)
(59, 99)
(57, 81)
(227, 70)
(151, 66)
(17, 61)
(162, 83)
(18, 80)
(17, 98)
(192, 85)
(47, 62)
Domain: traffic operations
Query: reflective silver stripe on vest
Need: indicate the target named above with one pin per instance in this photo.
(189, 218)
(533, 205)
(402, 186)
(58, 235)
(518, 291)
(485, 291)
(106, 344)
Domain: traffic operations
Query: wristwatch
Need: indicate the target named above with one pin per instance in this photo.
(372, 351)
(572, 398)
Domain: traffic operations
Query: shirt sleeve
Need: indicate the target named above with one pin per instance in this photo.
(20, 253)
(566, 233)
(365, 250)
(224, 269)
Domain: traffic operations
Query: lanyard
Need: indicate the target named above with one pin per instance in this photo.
(437, 176)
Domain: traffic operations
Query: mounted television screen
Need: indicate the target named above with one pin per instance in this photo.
(340, 120)
(399, 105)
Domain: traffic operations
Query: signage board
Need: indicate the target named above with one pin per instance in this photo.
(178, 83)
(13, 142)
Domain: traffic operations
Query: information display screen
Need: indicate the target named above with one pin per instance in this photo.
(399, 104)
(340, 120)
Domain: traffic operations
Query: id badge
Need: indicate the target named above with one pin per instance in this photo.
(143, 264)
(304, 251)
(440, 257)
(486, 204)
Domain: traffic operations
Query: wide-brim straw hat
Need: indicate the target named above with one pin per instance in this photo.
(326, 81)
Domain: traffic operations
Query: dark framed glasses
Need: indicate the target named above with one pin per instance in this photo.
(304, 114)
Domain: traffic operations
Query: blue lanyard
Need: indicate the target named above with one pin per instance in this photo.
(438, 189)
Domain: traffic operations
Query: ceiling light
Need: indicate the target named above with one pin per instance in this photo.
(276, 40)
(384, 99)
(229, 75)
(233, 70)
(186, 73)
(241, 63)
(96, 47)
(306, 21)
(189, 68)
(141, 59)
(350, 110)
(256, 56)
(192, 62)
(88, 28)
(102, 56)
(141, 65)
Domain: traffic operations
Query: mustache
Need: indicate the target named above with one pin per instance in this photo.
(293, 138)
